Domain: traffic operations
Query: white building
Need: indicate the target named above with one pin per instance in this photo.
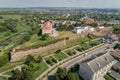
(81, 29)
(100, 27)
(78, 30)
(96, 67)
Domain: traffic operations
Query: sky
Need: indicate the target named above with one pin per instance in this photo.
(60, 3)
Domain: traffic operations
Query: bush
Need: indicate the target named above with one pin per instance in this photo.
(4, 59)
(29, 59)
(44, 37)
(94, 43)
(117, 46)
(51, 60)
(70, 52)
(79, 49)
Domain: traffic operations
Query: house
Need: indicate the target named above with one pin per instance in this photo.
(87, 20)
(82, 29)
(100, 27)
(96, 67)
(78, 30)
(47, 28)
(100, 23)
(50, 28)
(113, 22)
(111, 36)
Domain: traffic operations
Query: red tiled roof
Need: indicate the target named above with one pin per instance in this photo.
(47, 26)
(89, 21)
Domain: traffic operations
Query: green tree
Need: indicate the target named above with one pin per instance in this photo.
(63, 74)
(17, 75)
(72, 76)
(39, 59)
(40, 32)
(10, 24)
(27, 73)
(116, 29)
(94, 24)
(29, 59)
(44, 37)
(117, 46)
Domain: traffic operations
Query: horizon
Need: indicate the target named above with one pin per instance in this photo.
(54, 7)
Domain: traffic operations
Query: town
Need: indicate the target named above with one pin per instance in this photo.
(57, 43)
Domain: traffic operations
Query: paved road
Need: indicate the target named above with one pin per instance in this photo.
(81, 58)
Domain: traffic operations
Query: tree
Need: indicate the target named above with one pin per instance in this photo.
(72, 76)
(44, 37)
(29, 59)
(117, 46)
(27, 73)
(17, 75)
(10, 24)
(40, 32)
(63, 74)
(116, 29)
(94, 24)
(39, 59)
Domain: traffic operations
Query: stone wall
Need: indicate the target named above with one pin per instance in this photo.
(15, 56)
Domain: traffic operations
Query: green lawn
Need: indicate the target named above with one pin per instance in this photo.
(43, 67)
(108, 77)
(60, 56)
(65, 33)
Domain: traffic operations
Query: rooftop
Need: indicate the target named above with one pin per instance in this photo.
(47, 26)
(96, 62)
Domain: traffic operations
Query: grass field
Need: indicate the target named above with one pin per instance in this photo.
(65, 33)
(60, 56)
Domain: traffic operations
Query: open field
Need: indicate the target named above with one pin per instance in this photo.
(65, 33)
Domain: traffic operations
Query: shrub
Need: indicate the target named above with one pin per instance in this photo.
(79, 49)
(44, 37)
(71, 52)
(51, 60)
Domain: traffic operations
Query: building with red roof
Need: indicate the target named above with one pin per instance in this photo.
(47, 28)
